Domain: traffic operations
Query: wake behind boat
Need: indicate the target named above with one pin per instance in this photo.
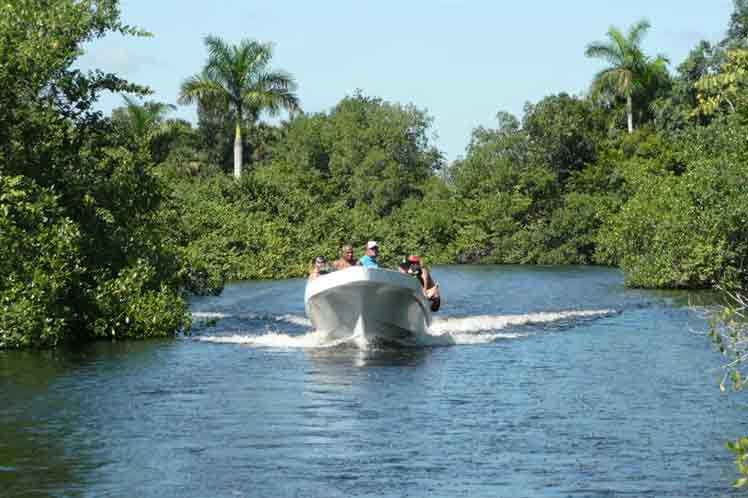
(374, 304)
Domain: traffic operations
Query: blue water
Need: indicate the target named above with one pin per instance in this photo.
(534, 382)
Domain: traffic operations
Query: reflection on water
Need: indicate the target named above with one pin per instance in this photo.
(376, 357)
(542, 382)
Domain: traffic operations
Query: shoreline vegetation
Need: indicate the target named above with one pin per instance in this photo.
(109, 222)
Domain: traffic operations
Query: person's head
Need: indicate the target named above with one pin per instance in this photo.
(403, 266)
(347, 252)
(414, 264)
(372, 248)
(319, 262)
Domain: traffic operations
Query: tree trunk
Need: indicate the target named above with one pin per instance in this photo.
(238, 151)
(630, 113)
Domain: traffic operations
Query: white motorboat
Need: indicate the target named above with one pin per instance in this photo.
(371, 304)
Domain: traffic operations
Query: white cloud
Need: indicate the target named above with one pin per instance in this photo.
(120, 60)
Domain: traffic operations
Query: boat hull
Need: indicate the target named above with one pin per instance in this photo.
(370, 304)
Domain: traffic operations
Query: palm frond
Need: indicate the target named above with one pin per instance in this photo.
(197, 88)
(272, 92)
(218, 50)
(637, 32)
(605, 51)
(260, 56)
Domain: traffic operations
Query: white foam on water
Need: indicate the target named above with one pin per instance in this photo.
(276, 340)
(480, 329)
(208, 315)
(452, 338)
(295, 319)
(472, 324)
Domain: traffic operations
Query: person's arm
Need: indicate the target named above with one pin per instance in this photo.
(431, 288)
(433, 292)
(425, 278)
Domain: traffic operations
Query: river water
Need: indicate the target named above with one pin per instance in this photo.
(534, 381)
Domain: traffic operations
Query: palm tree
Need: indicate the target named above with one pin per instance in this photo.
(238, 78)
(143, 120)
(147, 123)
(629, 69)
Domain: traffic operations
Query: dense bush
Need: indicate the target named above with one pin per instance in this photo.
(41, 263)
(79, 201)
(686, 228)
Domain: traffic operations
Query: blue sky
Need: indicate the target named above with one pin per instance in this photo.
(460, 60)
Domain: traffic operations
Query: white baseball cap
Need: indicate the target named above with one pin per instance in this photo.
(372, 244)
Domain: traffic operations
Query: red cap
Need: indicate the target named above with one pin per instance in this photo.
(414, 259)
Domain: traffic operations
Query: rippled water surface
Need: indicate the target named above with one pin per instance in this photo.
(537, 382)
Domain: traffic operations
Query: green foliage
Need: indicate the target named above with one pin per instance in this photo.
(569, 235)
(137, 304)
(80, 202)
(365, 151)
(512, 185)
(564, 132)
(684, 229)
(147, 126)
(365, 170)
(739, 447)
(40, 264)
(725, 90)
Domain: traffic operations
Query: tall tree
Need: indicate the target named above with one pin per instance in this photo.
(239, 78)
(629, 68)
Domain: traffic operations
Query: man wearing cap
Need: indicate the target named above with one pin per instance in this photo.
(369, 260)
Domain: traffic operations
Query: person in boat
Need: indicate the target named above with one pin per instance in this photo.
(369, 260)
(346, 259)
(319, 267)
(403, 266)
(429, 286)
